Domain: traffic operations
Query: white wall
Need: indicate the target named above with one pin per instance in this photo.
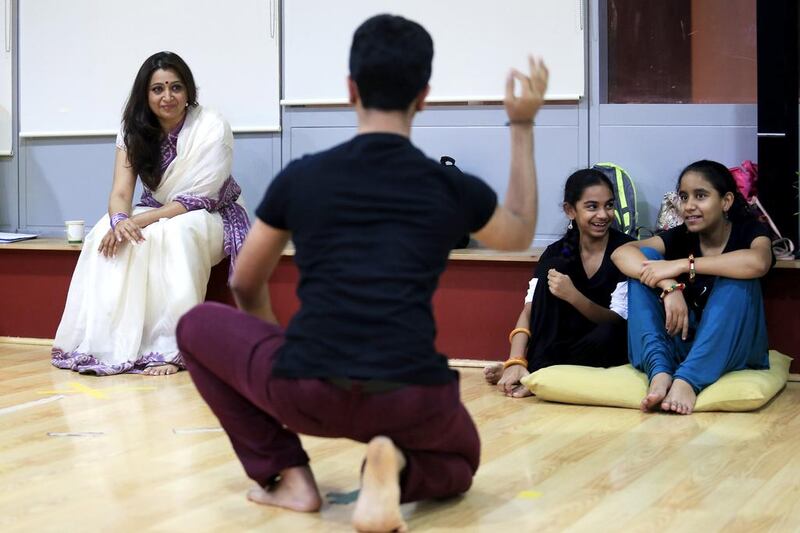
(78, 59)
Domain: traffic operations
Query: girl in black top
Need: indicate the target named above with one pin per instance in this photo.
(696, 310)
(576, 304)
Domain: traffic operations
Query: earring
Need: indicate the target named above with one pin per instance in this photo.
(570, 224)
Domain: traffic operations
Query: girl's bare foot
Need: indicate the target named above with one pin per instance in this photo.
(520, 391)
(681, 398)
(659, 386)
(378, 504)
(493, 373)
(161, 370)
(296, 490)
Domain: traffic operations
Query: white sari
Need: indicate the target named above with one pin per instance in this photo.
(121, 312)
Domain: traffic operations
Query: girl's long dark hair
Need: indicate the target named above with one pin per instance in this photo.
(722, 180)
(578, 182)
(141, 131)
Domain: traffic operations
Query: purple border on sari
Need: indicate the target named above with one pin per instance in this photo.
(90, 365)
(235, 221)
(169, 146)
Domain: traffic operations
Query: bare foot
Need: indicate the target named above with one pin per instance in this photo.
(378, 504)
(493, 373)
(520, 391)
(681, 398)
(659, 386)
(296, 490)
(161, 370)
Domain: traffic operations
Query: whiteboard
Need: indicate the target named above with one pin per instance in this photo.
(475, 43)
(78, 59)
(6, 83)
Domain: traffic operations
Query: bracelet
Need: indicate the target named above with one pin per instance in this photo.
(692, 271)
(514, 331)
(515, 361)
(672, 288)
(116, 218)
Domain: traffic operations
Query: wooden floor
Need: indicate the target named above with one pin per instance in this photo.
(137, 453)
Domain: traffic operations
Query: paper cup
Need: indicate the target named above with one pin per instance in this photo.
(74, 231)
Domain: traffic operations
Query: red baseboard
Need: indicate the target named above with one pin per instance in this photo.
(476, 305)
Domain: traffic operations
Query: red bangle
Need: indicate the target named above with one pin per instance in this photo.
(672, 288)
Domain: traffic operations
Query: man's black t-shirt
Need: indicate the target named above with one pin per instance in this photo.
(679, 242)
(373, 221)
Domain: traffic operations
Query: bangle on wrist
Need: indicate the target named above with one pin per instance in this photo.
(672, 288)
(692, 271)
(116, 218)
(515, 361)
(514, 331)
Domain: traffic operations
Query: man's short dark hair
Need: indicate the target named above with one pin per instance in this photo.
(390, 62)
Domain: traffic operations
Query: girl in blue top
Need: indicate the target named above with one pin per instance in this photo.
(696, 310)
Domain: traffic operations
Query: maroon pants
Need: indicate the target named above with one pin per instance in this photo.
(230, 354)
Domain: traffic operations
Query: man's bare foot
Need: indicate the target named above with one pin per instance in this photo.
(161, 370)
(659, 386)
(681, 398)
(378, 504)
(493, 373)
(296, 490)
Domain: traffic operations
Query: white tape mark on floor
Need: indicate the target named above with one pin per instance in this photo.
(185, 431)
(21, 406)
(75, 434)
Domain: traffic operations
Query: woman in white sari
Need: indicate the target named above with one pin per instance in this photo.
(135, 280)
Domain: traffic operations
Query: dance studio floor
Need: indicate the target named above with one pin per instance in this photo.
(138, 453)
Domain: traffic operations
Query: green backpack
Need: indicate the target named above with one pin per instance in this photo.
(624, 198)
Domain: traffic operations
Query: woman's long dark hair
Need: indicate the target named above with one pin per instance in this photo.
(722, 180)
(142, 132)
(578, 182)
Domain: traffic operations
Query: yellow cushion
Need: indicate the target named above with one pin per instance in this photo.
(624, 386)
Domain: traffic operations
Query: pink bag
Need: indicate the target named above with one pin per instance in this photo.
(746, 177)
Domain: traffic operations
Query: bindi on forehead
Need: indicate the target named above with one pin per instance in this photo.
(161, 83)
(164, 75)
